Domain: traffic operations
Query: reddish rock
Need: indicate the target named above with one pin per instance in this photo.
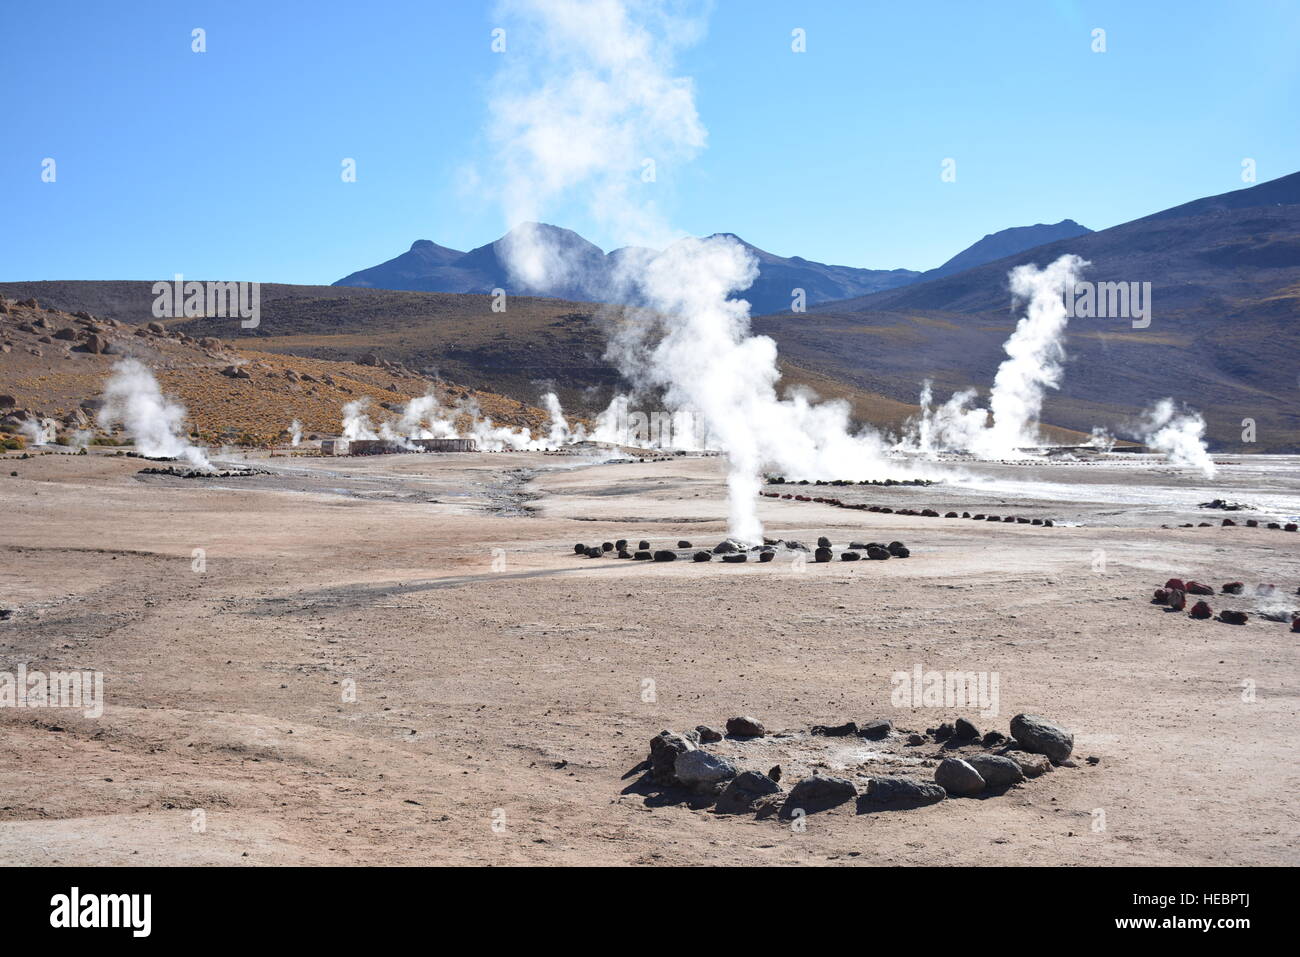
(1233, 588)
(1161, 596)
(1201, 610)
(1177, 599)
(1176, 583)
(1196, 588)
(1233, 617)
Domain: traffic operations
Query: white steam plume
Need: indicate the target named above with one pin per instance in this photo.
(559, 432)
(356, 424)
(1102, 439)
(39, 432)
(295, 433)
(594, 96)
(424, 417)
(1177, 434)
(133, 400)
(1035, 353)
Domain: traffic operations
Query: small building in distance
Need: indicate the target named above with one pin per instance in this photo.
(388, 447)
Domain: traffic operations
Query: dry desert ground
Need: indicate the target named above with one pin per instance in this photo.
(506, 688)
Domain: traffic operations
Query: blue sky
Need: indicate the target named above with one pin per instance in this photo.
(225, 165)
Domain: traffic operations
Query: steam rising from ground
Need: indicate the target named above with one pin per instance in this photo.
(578, 115)
(695, 344)
(424, 417)
(295, 433)
(39, 432)
(1035, 354)
(133, 400)
(1178, 434)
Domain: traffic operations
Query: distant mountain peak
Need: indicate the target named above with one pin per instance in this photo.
(1007, 242)
(560, 263)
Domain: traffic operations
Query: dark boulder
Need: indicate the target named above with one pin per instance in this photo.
(1038, 735)
(957, 777)
(876, 730)
(745, 727)
(744, 791)
(1229, 617)
(703, 772)
(1031, 765)
(902, 792)
(735, 559)
(822, 555)
(664, 749)
(664, 555)
(818, 793)
(703, 556)
(835, 731)
(964, 730)
(997, 771)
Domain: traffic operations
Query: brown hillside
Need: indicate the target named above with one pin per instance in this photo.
(48, 375)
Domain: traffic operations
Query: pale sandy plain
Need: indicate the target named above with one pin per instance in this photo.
(515, 694)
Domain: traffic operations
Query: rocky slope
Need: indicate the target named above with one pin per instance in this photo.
(53, 365)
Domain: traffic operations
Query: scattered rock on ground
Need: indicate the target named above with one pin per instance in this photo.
(996, 770)
(818, 793)
(876, 730)
(744, 791)
(1031, 765)
(835, 731)
(1038, 735)
(903, 791)
(957, 777)
(664, 750)
(702, 771)
(745, 727)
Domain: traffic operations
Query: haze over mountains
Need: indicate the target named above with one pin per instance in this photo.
(588, 272)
